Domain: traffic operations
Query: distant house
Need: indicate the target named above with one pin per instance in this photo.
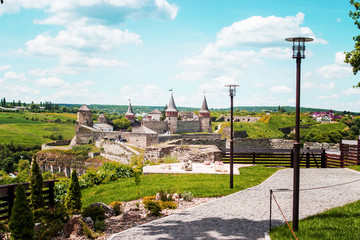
(325, 116)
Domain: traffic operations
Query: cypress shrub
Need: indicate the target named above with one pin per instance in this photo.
(73, 196)
(22, 219)
(36, 186)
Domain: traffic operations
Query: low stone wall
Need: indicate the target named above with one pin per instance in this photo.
(264, 143)
(326, 146)
(56, 145)
(195, 153)
(261, 143)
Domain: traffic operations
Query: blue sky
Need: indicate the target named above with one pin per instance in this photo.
(109, 51)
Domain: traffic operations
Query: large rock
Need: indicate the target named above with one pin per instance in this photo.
(73, 227)
(109, 212)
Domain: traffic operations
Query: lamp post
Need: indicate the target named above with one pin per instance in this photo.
(298, 53)
(232, 93)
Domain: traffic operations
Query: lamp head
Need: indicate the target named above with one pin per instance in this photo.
(299, 46)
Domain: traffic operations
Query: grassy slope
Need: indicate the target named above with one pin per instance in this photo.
(201, 185)
(14, 127)
(267, 129)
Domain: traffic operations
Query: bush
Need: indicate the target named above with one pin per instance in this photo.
(165, 195)
(22, 219)
(117, 207)
(99, 225)
(187, 196)
(51, 221)
(154, 207)
(168, 205)
(149, 198)
(96, 212)
(36, 186)
(73, 196)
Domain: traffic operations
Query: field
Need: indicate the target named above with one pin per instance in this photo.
(30, 128)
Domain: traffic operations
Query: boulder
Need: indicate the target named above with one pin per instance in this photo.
(109, 212)
(73, 227)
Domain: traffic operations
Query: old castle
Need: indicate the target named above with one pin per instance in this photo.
(146, 133)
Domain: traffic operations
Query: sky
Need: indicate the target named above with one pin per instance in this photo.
(110, 51)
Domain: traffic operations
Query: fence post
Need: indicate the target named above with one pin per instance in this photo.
(307, 158)
(271, 193)
(51, 194)
(323, 159)
(292, 158)
(341, 155)
(253, 157)
(11, 197)
(358, 151)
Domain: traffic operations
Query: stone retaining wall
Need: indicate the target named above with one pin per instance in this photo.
(195, 153)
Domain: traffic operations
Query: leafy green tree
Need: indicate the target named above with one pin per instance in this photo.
(23, 165)
(73, 196)
(353, 57)
(22, 219)
(122, 123)
(36, 186)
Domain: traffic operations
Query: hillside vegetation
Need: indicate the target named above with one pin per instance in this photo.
(26, 128)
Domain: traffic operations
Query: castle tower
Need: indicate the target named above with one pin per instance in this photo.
(84, 117)
(130, 115)
(204, 117)
(171, 114)
(102, 119)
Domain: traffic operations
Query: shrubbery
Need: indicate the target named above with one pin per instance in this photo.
(22, 219)
(73, 195)
(107, 172)
(96, 212)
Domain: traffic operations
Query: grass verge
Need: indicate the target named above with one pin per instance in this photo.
(337, 223)
(200, 185)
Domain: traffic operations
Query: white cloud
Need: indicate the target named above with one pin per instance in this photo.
(4, 67)
(81, 46)
(308, 85)
(281, 89)
(13, 76)
(328, 97)
(52, 82)
(258, 30)
(337, 70)
(350, 91)
(107, 11)
(321, 86)
(244, 45)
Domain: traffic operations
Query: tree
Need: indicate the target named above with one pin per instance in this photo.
(73, 196)
(36, 186)
(122, 123)
(353, 57)
(22, 219)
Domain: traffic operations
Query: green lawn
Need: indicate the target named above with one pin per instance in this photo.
(337, 223)
(15, 128)
(200, 185)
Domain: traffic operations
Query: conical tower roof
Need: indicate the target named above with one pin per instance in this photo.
(130, 111)
(84, 108)
(204, 107)
(171, 106)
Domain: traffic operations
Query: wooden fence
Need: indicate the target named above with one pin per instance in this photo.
(276, 157)
(7, 197)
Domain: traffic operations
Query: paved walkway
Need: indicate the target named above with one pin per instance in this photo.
(245, 214)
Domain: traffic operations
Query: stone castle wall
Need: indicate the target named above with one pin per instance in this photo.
(144, 140)
(157, 126)
(188, 126)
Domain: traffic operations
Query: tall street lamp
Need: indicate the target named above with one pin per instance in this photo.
(298, 53)
(232, 93)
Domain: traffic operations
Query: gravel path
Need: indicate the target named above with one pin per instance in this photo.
(245, 214)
